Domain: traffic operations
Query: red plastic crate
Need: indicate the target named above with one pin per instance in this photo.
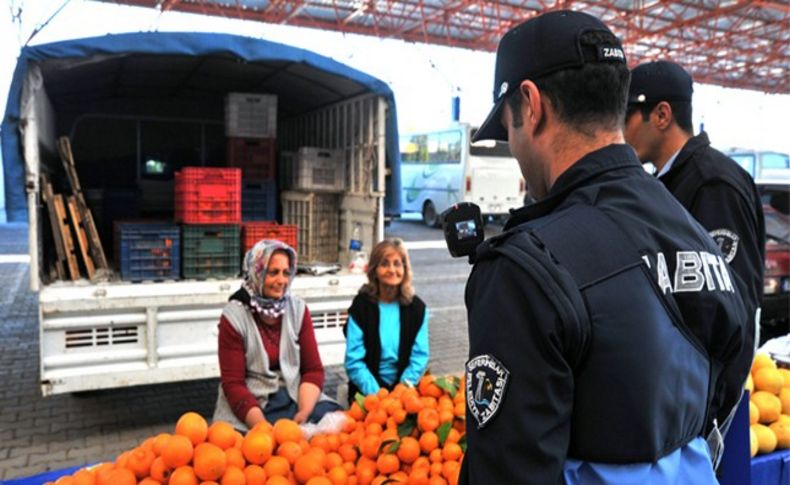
(255, 157)
(207, 195)
(252, 232)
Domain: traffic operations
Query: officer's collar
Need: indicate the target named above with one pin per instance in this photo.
(610, 157)
(687, 152)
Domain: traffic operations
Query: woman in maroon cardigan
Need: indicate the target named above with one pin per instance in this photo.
(270, 367)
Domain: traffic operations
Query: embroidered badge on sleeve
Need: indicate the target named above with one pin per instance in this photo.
(486, 383)
(727, 241)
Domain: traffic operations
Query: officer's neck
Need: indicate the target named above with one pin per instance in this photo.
(569, 146)
(673, 139)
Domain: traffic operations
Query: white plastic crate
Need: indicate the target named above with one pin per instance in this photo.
(317, 218)
(314, 169)
(249, 115)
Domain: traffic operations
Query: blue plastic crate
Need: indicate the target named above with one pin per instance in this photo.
(149, 251)
(259, 201)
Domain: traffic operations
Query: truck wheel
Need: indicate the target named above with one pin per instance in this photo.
(429, 215)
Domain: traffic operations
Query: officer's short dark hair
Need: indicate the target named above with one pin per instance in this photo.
(681, 113)
(586, 98)
(592, 96)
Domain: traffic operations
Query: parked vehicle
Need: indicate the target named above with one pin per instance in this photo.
(775, 317)
(442, 168)
(762, 164)
(138, 108)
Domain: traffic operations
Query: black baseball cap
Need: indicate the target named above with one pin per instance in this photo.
(659, 81)
(542, 45)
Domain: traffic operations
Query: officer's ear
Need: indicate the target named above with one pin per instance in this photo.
(661, 116)
(532, 104)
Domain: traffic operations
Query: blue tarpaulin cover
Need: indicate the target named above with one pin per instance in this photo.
(85, 73)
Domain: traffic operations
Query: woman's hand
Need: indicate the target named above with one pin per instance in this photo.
(308, 396)
(254, 416)
(301, 416)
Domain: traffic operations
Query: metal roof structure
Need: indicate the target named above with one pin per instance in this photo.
(733, 43)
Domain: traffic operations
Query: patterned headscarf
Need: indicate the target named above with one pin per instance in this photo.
(256, 263)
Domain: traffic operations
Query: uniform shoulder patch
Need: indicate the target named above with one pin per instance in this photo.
(727, 241)
(486, 383)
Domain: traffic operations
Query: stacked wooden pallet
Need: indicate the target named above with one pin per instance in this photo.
(71, 221)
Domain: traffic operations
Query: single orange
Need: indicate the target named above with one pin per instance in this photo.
(370, 446)
(356, 412)
(254, 474)
(428, 419)
(84, 477)
(290, 451)
(123, 476)
(452, 452)
(287, 430)
(209, 461)
(308, 466)
(193, 426)
(234, 457)
(277, 465)
(234, 476)
(222, 434)
(419, 476)
(183, 475)
(177, 451)
(428, 441)
(160, 471)
(408, 450)
(139, 461)
(371, 402)
(337, 475)
(257, 447)
(436, 456)
(348, 452)
(387, 463)
(160, 441)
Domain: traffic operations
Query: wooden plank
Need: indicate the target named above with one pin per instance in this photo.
(68, 242)
(82, 239)
(94, 242)
(60, 251)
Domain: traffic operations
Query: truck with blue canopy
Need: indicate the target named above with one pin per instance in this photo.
(136, 108)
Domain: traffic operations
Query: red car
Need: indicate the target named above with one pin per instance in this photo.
(775, 318)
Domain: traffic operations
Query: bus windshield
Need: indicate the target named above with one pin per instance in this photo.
(439, 147)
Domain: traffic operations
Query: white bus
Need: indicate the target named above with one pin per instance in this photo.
(441, 168)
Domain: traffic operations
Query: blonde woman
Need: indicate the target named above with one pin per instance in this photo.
(387, 329)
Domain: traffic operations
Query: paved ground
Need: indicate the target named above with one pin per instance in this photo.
(39, 434)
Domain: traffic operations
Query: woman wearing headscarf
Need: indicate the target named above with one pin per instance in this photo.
(387, 328)
(269, 363)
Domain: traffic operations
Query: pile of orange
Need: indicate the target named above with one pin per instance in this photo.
(769, 406)
(411, 435)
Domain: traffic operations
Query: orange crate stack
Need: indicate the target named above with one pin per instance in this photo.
(252, 232)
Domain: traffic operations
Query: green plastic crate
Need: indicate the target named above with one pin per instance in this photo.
(210, 251)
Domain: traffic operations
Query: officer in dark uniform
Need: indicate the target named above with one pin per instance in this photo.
(603, 318)
(717, 191)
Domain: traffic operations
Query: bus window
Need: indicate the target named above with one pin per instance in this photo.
(448, 147)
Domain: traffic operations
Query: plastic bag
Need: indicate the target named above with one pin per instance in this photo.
(331, 423)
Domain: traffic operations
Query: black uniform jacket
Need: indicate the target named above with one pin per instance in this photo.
(600, 323)
(723, 198)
